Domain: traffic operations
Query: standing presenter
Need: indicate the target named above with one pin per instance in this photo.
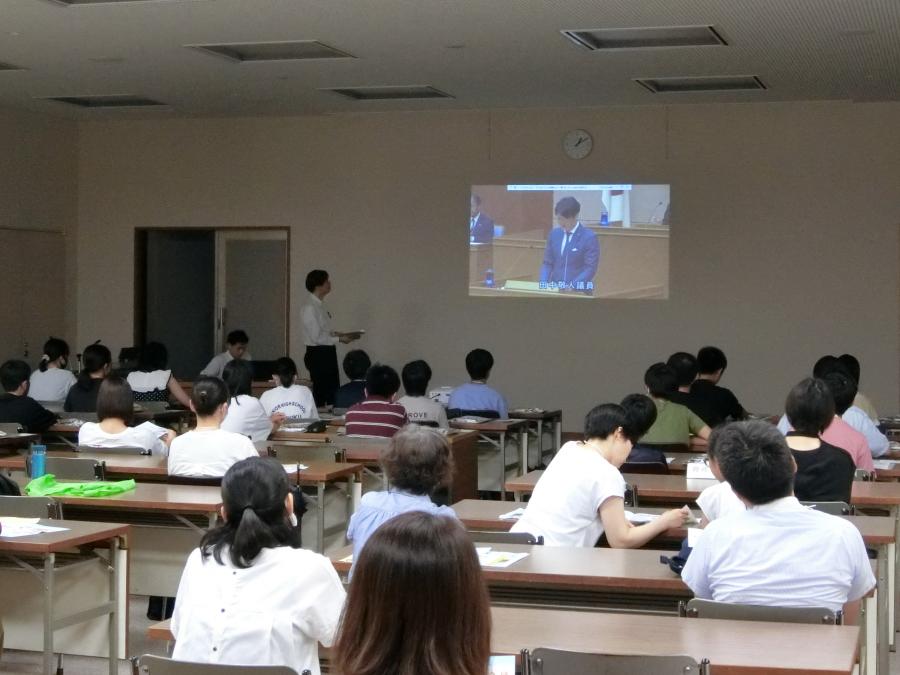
(321, 353)
(572, 252)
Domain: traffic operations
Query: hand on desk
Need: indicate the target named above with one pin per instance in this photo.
(277, 419)
(677, 517)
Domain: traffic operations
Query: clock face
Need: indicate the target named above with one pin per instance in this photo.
(577, 144)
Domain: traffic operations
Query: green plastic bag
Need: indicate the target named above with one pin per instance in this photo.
(46, 486)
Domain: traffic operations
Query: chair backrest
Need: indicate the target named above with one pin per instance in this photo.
(709, 609)
(545, 661)
(149, 664)
(75, 468)
(657, 468)
(525, 538)
(118, 450)
(631, 495)
(667, 447)
(831, 508)
(862, 474)
(453, 413)
(30, 507)
(301, 453)
(215, 481)
(10, 428)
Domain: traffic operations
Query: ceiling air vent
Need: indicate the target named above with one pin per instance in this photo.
(675, 85)
(644, 38)
(118, 101)
(298, 50)
(390, 93)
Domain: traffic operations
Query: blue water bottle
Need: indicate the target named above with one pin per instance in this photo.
(489, 278)
(604, 219)
(38, 457)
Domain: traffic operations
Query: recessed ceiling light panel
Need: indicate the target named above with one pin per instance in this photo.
(677, 85)
(392, 93)
(116, 101)
(645, 38)
(297, 50)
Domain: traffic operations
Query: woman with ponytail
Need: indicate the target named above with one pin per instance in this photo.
(250, 595)
(96, 362)
(293, 400)
(52, 380)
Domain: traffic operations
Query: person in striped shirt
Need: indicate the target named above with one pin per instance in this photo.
(377, 415)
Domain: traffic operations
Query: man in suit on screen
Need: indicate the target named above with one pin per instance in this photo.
(572, 252)
(481, 227)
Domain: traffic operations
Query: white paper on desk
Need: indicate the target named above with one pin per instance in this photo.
(71, 422)
(699, 470)
(500, 559)
(294, 428)
(669, 460)
(25, 527)
(502, 665)
(640, 518)
(482, 550)
(295, 467)
(883, 463)
(348, 559)
(694, 534)
(515, 514)
(154, 429)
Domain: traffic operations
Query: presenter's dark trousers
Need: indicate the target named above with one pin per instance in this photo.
(321, 362)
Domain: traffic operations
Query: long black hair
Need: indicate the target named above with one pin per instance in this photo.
(286, 371)
(53, 349)
(207, 394)
(253, 493)
(238, 377)
(93, 359)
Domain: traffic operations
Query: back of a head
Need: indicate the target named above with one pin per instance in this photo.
(356, 364)
(238, 377)
(711, 360)
(479, 363)
(416, 375)
(237, 337)
(418, 604)
(382, 381)
(809, 406)
(13, 373)
(253, 497)
(843, 390)
(95, 358)
(285, 371)
(315, 278)
(640, 414)
(154, 356)
(685, 367)
(851, 364)
(115, 400)
(661, 380)
(603, 420)
(53, 349)
(755, 459)
(417, 460)
(207, 394)
(825, 365)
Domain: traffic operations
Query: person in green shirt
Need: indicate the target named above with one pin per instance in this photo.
(674, 423)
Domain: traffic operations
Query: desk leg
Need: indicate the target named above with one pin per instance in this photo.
(523, 451)
(355, 489)
(320, 503)
(882, 621)
(503, 466)
(895, 602)
(540, 430)
(114, 613)
(49, 565)
(557, 433)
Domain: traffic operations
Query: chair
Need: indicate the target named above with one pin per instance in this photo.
(30, 507)
(76, 468)
(631, 495)
(524, 538)
(302, 453)
(453, 413)
(655, 468)
(159, 665)
(709, 609)
(831, 508)
(214, 481)
(863, 475)
(118, 450)
(667, 447)
(10, 428)
(544, 661)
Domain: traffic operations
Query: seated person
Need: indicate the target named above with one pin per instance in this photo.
(292, 400)
(824, 472)
(52, 380)
(208, 451)
(16, 405)
(581, 495)
(861, 401)
(416, 463)
(250, 595)
(685, 367)
(477, 395)
(843, 391)
(96, 362)
(153, 381)
(246, 416)
(356, 364)
(418, 603)
(717, 403)
(236, 348)
(776, 552)
(719, 500)
(674, 422)
(378, 415)
(641, 413)
(419, 408)
(115, 410)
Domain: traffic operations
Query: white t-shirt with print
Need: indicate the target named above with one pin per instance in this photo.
(423, 409)
(718, 501)
(208, 453)
(247, 417)
(296, 402)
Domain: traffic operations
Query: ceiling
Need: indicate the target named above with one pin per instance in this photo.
(486, 53)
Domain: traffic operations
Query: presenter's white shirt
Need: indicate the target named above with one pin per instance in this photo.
(247, 417)
(51, 385)
(296, 402)
(142, 436)
(718, 501)
(217, 364)
(780, 554)
(423, 409)
(563, 507)
(316, 323)
(273, 613)
(208, 453)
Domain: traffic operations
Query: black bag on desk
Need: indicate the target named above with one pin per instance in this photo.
(677, 562)
(8, 487)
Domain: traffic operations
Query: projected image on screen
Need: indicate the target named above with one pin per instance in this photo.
(569, 241)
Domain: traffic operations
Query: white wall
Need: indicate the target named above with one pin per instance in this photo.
(784, 234)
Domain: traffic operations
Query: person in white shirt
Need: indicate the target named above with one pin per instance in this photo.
(777, 552)
(153, 381)
(719, 500)
(250, 595)
(52, 381)
(844, 389)
(236, 348)
(419, 408)
(581, 494)
(292, 400)
(115, 410)
(246, 415)
(208, 451)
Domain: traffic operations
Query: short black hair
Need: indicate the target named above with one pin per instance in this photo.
(238, 377)
(115, 400)
(710, 360)
(640, 414)
(207, 394)
(382, 380)
(237, 337)
(843, 389)
(825, 365)
(154, 356)
(479, 363)
(315, 279)
(685, 367)
(755, 460)
(661, 380)
(356, 364)
(603, 420)
(13, 373)
(851, 363)
(567, 207)
(809, 406)
(416, 376)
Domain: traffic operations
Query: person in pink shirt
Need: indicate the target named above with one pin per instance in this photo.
(845, 437)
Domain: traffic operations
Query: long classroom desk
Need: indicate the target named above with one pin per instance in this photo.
(499, 429)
